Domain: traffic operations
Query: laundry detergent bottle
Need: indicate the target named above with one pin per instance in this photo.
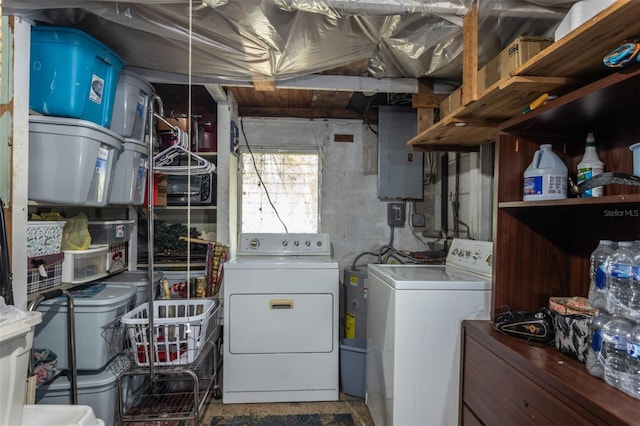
(546, 176)
(590, 166)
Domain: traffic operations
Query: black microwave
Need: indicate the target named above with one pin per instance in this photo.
(202, 191)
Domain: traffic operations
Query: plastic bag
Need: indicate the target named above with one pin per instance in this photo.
(75, 235)
(10, 313)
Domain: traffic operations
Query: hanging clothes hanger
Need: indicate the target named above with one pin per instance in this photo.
(165, 161)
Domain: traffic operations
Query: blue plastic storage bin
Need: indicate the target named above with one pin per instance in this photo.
(72, 75)
(353, 364)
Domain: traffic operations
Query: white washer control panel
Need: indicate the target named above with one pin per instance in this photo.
(293, 244)
(471, 255)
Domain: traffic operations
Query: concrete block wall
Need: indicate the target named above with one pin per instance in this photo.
(350, 211)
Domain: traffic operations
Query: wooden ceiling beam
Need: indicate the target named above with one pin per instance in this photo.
(298, 112)
(263, 83)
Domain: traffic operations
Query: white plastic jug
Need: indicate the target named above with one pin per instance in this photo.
(546, 176)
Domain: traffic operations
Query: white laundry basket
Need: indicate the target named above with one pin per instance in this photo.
(179, 330)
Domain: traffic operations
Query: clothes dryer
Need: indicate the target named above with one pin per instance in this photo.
(281, 320)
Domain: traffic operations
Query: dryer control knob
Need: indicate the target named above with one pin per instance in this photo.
(254, 243)
(285, 243)
(307, 243)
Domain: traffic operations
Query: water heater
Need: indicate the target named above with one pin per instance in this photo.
(355, 316)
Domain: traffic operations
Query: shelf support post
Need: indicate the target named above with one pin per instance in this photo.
(470, 55)
(426, 114)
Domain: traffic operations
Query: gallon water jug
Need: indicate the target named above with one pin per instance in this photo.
(546, 176)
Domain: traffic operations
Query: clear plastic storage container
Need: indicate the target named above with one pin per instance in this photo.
(131, 105)
(98, 339)
(110, 231)
(130, 178)
(98, 389)
(71, 161)
(81, 266)
(138, 280)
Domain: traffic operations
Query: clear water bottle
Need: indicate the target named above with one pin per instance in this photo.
(613, 354)
(632, 383)
(598, 273)
(634, 303)
(619, 279)
(596, 325)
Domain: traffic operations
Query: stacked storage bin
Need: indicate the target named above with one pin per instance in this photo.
(130, 116)
(44, 258)
(99, 339)
(72, 151)
(75, 145)
(138, 280)
(114, 235)
(88, 147)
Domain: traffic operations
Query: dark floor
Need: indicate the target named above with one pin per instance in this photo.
(347, 411)
(215, 409)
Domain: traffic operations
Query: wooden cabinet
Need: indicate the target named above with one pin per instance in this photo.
(542, 249)
(511, 381)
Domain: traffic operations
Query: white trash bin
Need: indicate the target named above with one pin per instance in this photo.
(16, 341)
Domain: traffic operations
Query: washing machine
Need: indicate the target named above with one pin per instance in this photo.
(280, 304)
(414, 334)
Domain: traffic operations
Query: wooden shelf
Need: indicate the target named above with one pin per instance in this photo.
(571, 62)
(577, 202)
(178, 266)
(192, 207)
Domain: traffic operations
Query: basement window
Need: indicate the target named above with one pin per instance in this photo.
(280, 191)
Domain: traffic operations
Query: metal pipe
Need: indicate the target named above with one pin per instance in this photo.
(444, 185)
(6, 283)
(455, 201)
(155, 99)
(71, 334)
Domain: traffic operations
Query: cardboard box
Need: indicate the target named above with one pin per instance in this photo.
(160, 190)
(509, 59)
(451, 102)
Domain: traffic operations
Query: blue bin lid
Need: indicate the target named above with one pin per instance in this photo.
(76, 37)
(354, 345)
(95, 295)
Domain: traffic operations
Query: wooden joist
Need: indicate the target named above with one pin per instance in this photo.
(263, 83)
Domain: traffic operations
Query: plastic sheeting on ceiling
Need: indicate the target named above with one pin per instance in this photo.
(234, 40)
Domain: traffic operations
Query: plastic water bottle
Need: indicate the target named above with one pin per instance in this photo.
(632, 383)
(634, 303)
(613, 354)
(619, 279)
(596, 325)
(598, 273)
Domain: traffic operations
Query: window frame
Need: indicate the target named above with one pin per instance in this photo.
(266, 149)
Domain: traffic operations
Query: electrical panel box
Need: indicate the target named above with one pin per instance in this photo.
(399, 168)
